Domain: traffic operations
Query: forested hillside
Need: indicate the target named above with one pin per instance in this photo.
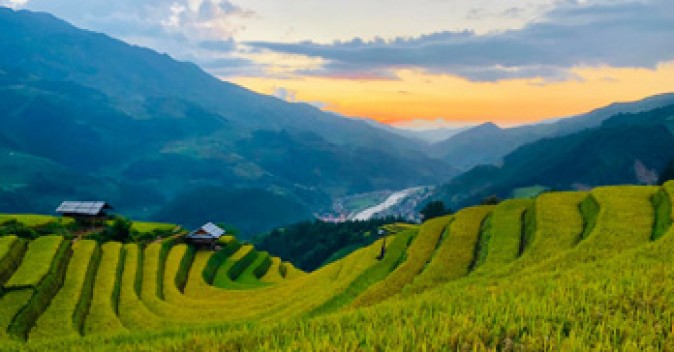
(625, 149)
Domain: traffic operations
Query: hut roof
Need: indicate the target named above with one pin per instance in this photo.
(83, 208)
(210, 230)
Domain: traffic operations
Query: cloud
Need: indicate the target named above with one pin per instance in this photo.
(13, 4)
(290, 96)
(574, 34)
(196, 30)
(219, 45)
(285, 94)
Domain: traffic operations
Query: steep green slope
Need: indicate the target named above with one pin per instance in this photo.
(394, 255)
(11, 252)
(138, 128)
(456, 255)
(419, 254)
(102, 317)
(502, 242)
(65, 315)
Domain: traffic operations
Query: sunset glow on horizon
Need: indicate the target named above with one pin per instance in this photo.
(421, 96)
(448, 62)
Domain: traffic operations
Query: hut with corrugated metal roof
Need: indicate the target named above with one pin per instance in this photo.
(90, 212)
(206, 235)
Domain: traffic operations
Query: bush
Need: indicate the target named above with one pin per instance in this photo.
(14, 227)
(434, 209)
(120, 230)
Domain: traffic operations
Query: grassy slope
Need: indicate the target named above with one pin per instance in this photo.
(102, 317)
(290, 272)
(230, 270)
(251, 275)
(36, 264)
(664, 216)
(132, 312)
(506, 234)
(453, 258)
(11, 253)
(608, 290)
(419, 253)
(394, 255)
(273, 274)
(10, 304)
(65, 313)
(41, 272)
(34, 220)
(148, 227)
(282, 301)
(527, 312)
(559, 224)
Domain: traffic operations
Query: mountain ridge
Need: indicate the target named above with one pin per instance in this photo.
(131, 119)
(625, 148)
(479, 146)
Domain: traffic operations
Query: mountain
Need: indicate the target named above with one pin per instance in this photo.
(626, 148)
(432, 135)
(426, 135)
(144, 131)
(488, 143)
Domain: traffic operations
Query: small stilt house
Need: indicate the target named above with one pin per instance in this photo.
(206, 235)
(87, 212)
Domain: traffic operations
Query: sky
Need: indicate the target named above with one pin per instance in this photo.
(411, 63)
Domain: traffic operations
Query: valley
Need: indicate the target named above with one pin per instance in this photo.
(218, 175)
(392, 200)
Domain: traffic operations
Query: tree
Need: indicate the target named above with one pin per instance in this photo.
(119, 231)
(230, 230)
(491, 200)
(434, 209)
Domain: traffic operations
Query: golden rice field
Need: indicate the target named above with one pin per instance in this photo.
(567, 271)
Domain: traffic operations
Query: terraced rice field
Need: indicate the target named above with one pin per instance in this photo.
(33, 220)
(565, 271)
(148, 227)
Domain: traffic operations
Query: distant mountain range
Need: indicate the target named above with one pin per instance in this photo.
(427, 136)
(489, 143)
(86, 116)
(624, 149)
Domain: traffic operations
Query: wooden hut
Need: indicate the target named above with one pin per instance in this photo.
(206, 235)
(87, 212)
